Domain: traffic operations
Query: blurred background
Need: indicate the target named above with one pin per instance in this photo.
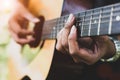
(6, 7)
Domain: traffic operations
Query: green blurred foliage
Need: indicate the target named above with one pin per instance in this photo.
(28, 54)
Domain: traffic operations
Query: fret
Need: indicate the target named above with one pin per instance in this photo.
(94, 29)
(60, 21)
(87, 23)
(94, 21)
(116, 6)
(96, 11)
(104, 14)
(82, 16)
(99, 21)
(106, 9)
(116, 12)
(90, 24)
(60, 24)
(104, 28)
(105, 19)
(85, 30)
(77, 15)
(116, 19)
(95, 16)
(52, 32)
(78, 24)
(98, 31)
(115, 27)
(48, 28)
(110, 23)
(66, 17)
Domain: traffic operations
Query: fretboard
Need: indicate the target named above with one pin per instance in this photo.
(94, 22)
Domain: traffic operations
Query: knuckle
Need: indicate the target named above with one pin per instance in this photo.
(58, 35)
(64, 43)
(19, 32)
(17, 40)
(70, 38)
(58, 47)
(67, 25)
(74, 53)
(90, 62)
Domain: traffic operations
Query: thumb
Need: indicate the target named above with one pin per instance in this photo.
(30, 17)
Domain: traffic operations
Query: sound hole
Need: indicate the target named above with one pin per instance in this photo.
(26, 78)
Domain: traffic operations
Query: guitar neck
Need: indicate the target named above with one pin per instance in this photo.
(94, 22)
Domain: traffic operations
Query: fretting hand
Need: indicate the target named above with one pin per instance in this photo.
(88, 49)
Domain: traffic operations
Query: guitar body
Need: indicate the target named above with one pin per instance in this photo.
(49, 9)
(49, 63)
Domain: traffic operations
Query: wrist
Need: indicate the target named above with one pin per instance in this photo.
(116, 54)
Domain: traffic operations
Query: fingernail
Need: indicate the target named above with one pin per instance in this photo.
(30, 38)
(36, 20)
(70, 18)
(73, 30)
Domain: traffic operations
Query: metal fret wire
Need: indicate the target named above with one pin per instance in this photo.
(114, 5)
(86, 16)
(62, 22)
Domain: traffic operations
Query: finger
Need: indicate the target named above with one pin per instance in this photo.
(73, 44)
(30, 17)
(70, 22)
(72, 41)
(59, 46)
(77, 53)
(66, 30)
(16, 28)
(20, 40)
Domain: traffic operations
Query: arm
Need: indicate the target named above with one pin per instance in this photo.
(18, 23)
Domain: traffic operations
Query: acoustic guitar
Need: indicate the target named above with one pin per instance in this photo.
(94, 22)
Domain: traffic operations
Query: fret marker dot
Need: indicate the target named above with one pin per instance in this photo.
(95, 21)
(65, 21)
(53, 28)
(118, 18)
(79, 24)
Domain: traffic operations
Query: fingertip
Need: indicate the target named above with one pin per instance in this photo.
(70, 21)
(35, 20)
(70, 18)
(73, 32)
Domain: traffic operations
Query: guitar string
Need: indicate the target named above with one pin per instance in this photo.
(96, 13)
(92, 15)
(85, 21)
(93, 20)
